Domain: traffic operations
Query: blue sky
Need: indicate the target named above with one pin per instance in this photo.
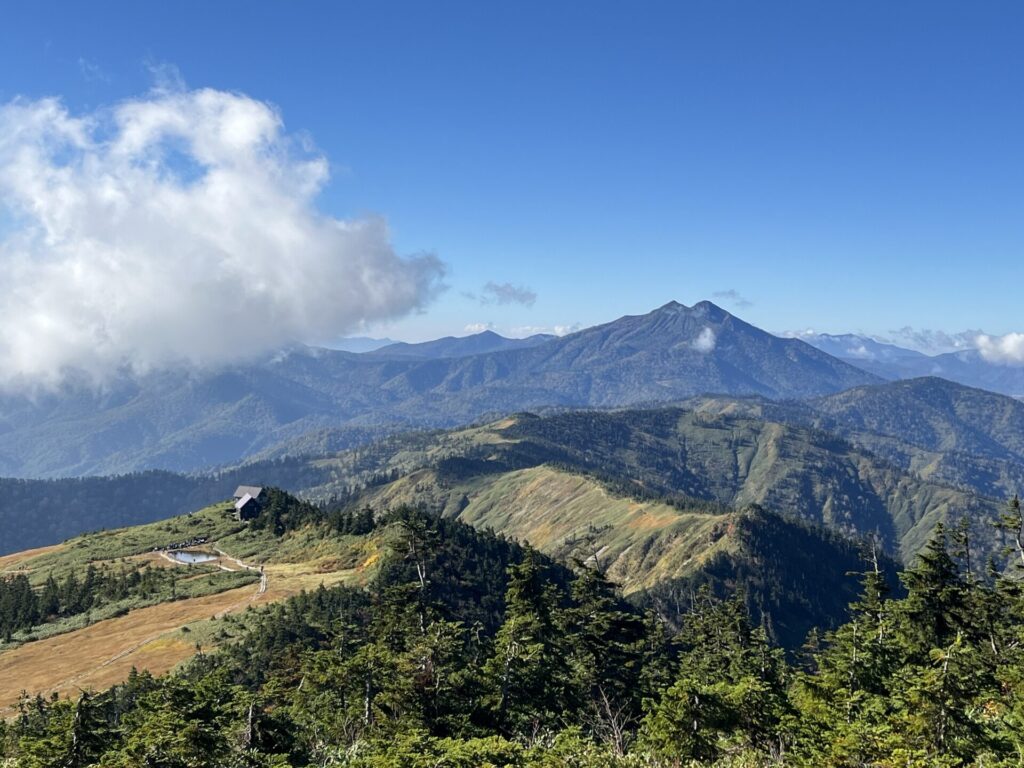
(837, 165)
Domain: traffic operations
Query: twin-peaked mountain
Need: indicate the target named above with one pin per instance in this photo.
(190, 421)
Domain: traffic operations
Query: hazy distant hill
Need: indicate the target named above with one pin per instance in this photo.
(966, 367)
(188, 422)
(459, 346)
(892, 362)
(359, 344)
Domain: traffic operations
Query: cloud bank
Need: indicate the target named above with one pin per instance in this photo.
(179, 228)
(524, 331)
(1003, 350)
(931, 342)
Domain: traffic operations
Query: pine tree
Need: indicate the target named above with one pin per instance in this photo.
(932, 611)
(730, 690)
(527, 675)
(1011, 524)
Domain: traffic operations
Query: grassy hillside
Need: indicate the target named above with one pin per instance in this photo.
(182, 607)
(689, 457)
(467, 650)
(40, 512)
(731, 452)
(795, 576)
(571, 516)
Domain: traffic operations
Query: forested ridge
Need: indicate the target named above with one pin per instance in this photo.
(470, 650)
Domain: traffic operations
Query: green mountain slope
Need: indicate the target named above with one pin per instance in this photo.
(736, 461)
(933, 413)
(794, 575)
(462, 647)
(35, 513)
(945, 432)
(720, 451)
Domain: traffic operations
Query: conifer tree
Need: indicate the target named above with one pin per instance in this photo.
(527, 675)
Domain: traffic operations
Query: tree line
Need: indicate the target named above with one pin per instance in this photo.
(23, 607)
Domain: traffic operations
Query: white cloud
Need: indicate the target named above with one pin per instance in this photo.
(807, 333)
(732, 296)
(522, 331)
(178, 228)
(923, 340)
(506, 293)
(1005, 350)
(860, 351)
(478, 327)
(705, 341)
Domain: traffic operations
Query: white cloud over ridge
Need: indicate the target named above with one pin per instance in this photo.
(931, 342)
(1002, 350)
(733, 297)
(178, 228)
(524, 331)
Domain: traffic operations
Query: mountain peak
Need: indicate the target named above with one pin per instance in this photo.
(710, 310)
(700, 309)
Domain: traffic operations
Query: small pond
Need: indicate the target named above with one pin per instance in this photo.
(190, 556)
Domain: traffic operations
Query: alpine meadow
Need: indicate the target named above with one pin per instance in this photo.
(517, 385)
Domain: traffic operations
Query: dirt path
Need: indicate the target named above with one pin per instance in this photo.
(246, 566)
(102, 654)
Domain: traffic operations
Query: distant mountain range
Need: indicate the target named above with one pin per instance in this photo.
(851, 346)
(889, 361)
(359, 344)
(459, 346)
(187, 422)
(310, 401)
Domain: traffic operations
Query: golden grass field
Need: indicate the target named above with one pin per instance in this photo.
(7, 562)
(103, 654)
